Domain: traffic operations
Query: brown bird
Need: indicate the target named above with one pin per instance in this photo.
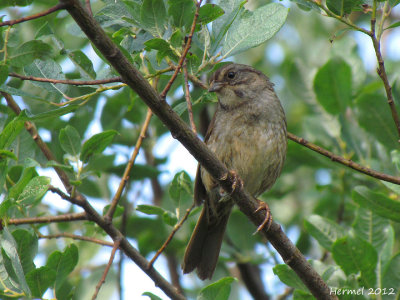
(248, 134)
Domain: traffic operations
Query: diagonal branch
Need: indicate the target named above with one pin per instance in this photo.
(131, 162)
(179, 130)
(55, 8)
(344, 161)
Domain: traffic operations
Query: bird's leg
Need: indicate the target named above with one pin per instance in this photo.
(266, 224)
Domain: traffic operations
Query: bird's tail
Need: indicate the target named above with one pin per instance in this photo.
(204, 246)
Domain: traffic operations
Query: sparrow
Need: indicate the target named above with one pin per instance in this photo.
(248, 134)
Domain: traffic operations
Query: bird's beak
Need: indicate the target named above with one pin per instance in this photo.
(215, 86)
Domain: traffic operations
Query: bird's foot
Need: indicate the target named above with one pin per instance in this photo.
(237, 182)
(266, 224)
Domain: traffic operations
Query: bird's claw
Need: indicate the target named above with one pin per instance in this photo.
(266, 224)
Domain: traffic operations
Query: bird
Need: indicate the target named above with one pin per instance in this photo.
(248, 133)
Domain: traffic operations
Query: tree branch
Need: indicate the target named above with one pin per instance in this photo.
(344, 161)
(179, 130)
(55, 8)
(110, 261)
(131, 162)
(49, 219)
(184, 53)
(76, 237)
(70, 82)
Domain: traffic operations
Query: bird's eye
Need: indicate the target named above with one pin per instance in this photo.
(231, 75)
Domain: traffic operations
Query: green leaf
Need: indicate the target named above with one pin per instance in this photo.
(163, 48)
(16, 189)
(18, 92)
(27, 248)
(3, 73)
(219, 290)
(181, 187)
(325, 231)
(372, 228)
(377, 202)
(169, 218)
(268, 19)
(220, 26)
(39, 280)
(150, 209)
(342, 7)
(11, 131)
(373, 114)
(70, 140)
(151, 296)
(394, 25)
(54, 113)
(83, 64)
(48, 69)
(28, 52)
(153, 17)
(34, 190)
(97, 144)
(7, 154)
(332, 86)
(182, 12)
(391, 278)
(54, 164)
(289, 277)
(355, 255)
(62, 263)
(9, 246)
(209, 12)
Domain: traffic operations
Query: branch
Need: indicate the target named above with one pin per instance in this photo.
(59, 6)
(131, 162)
(92, 214)
(184, 53)
(187, 97)
(49, 219)
(76, 237)
(382, 74)
(344, 161)
(70, 82)
(110, 261)
(179, 130)
(176, 228)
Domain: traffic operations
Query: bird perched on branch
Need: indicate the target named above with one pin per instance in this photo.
(248, 134)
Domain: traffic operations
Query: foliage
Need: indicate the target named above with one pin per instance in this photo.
(344, 221)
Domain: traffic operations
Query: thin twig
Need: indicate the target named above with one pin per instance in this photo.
(64, 196)
(103, 278)
(70, 82)
(55, 8)
(187, 97)
(109, 215)
(176, 228)
(76, 237)
(49, 219)
(382, 74)
(344, 161)
(89, 7)
(184, 53)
